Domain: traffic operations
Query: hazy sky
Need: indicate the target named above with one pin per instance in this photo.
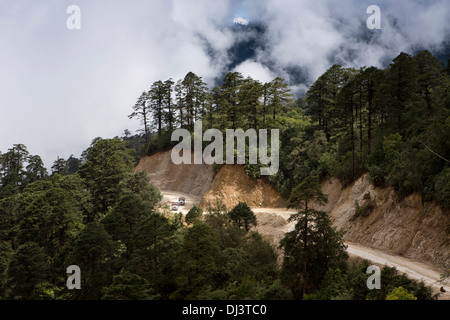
(61, 88)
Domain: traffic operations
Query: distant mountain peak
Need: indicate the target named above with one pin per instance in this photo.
(240, 20)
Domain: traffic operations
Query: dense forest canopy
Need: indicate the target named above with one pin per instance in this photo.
(97, 213)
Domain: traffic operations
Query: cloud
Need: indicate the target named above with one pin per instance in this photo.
(255, 70)
(311, 36)
(59, 89)
(240, 20)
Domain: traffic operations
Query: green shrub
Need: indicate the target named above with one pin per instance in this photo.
(366, 208)
(377, 176)
(193, 215)
(400, 293)
(442, 188)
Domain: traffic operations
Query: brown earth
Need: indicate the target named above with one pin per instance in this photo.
(232, 185)
(407, 228)
(272, 228)
(191, 179)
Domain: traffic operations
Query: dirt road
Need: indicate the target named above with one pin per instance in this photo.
(414, 269)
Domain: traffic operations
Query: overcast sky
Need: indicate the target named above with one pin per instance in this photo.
(61, 88)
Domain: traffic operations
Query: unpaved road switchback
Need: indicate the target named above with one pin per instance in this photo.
(414, 269)
(271, 226)
(409, 227)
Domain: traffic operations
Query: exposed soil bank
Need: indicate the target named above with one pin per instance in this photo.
(407, 228)
(191, 179)
(232, 185)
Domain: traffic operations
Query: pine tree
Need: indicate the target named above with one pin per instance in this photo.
(265, 103)
(51, 215)
(347, 103)
(139, 184)
(93, 251)
(195, 90)
(243, 216)
(10, 212)
(107, 163)
(429, 74)
(371, 78)
(6, 253)
(314, 245)
(59, 166)
(180, 105)
(321, 98)
(229, 93)
(73, 164)
(279, 95)
(191, 93)
(35, 170)
(402, 84)
(142, 111)
(12, 166)
(249, 97)
(194, 214)
(197, 261)
(156, 97)
(128, 286)
(27, 269)
(169, 112)
(154, 257)
(125, 218)
(447, 68)
(215, 115)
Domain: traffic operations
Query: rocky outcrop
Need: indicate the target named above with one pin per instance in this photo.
(408, 227)
(193, 179)
(232, 185)
(370, 216)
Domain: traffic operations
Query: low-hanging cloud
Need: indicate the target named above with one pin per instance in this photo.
(59, 89)
(314, 35)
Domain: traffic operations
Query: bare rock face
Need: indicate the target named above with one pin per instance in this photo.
(191, 179)
(407, 227)
(272, 228)
(370, 216)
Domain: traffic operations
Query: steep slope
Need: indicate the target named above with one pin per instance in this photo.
(232, 185)
(191, 179)
(407, 228)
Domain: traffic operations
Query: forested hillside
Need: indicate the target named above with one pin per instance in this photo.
(97, 213)
(393, 123)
